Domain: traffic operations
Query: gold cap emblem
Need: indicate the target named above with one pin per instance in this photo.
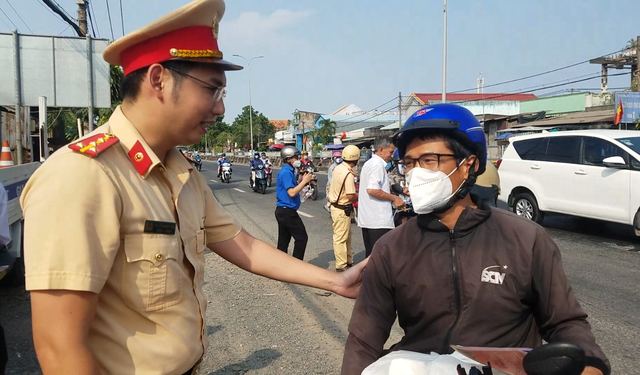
(215, 26)
(138, 157)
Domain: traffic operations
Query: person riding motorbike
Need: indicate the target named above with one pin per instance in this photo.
(306, 162)
(493, 279)
(255, 163)
(222, 159)
(265, 160)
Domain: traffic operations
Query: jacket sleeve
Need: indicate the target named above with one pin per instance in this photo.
(373, 316)
(557, 311)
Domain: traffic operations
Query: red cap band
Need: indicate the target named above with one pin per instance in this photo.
(188, 42)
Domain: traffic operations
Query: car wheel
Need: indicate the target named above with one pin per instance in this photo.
(525, 205)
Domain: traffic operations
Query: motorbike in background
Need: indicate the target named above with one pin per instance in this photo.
(198, 162)
(260, 183)
(268, 171)
(225, 173)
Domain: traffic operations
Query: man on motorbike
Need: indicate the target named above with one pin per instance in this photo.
(255, 163)
(265, 160)
(461, 273)
(306, 162)
(221, 160)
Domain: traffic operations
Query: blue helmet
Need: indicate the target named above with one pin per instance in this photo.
(452, 119)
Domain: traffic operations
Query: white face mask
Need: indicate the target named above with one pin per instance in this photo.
(297, 164)
(430, 190)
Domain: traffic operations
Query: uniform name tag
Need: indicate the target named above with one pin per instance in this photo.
(159, 227)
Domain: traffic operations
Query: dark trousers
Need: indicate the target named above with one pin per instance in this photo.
(4, 357)
(290, 225)
(370, 237)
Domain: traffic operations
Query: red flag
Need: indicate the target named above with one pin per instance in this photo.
(343, 136)
(619, 113)
(305, 139)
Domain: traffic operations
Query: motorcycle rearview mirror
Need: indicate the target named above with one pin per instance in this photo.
(555, 359)
(397, 189)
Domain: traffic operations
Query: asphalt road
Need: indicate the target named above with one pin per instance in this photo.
(260, 326)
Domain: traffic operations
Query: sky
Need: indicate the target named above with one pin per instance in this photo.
(320, 55)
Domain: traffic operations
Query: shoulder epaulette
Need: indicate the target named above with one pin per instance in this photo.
(94, 145)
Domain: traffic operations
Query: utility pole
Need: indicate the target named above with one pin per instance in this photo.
(250, 105)
(444, 56)
(82, 16)
(400, 110)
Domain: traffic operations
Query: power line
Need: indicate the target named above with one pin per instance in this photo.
(367, 112)
(93, 29)
(537, 74)
(110, 23)
(121, 18)
(92, 20)
(50, 11)
(538, 89)
(62, 9)
(63, 15)
(65, 29)
(14, 10)
(9, 27)
(5, 14)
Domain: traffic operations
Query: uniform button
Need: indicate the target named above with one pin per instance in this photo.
(159, 257)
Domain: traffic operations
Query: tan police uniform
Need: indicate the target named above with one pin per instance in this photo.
(342, 176)
(105, 215)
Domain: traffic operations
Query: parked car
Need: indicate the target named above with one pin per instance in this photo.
(587, 173)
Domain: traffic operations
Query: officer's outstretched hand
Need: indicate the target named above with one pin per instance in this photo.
(348, 283)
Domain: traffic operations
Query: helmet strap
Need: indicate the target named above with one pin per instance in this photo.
(463, 191)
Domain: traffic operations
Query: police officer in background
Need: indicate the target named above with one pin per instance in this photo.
(487, 186)
(342, 195)
(288, 202)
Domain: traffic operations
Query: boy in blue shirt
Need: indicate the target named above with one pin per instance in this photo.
(288, 202)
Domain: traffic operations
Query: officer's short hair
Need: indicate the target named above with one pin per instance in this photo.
(130, 85)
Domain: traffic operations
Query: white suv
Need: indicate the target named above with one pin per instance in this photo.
(589, 173)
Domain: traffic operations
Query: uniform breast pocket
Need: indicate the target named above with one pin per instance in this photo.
(152, 273)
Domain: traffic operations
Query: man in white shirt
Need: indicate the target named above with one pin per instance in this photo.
(375, 213)
(6, 260)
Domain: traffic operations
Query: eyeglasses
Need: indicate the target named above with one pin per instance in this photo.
(218, 92)
(429, 161)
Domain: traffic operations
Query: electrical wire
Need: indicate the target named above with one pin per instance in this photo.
(367, 112)
(14, 10)
(92, 20)
(5, 14)
(110, 23)
(63, 10)
(537, 89)
(538, 74)
(3, 21)
(89, 12)
(65, 29)
(121, 17)
(50, 11)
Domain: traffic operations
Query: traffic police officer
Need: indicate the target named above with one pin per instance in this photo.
(116, 224)
(342, 194)
(288, 202)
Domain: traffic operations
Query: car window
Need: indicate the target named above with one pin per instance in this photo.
(595, 150)
(562, 150)
(634, 144)
(530, 149)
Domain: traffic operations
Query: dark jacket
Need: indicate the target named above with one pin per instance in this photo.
(496, 280)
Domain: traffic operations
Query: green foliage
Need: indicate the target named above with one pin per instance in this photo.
(262, 128)
(326, 132)
(318, 147)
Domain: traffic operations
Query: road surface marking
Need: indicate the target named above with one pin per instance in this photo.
(304, 214)
(214, 181)
(236, 189)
